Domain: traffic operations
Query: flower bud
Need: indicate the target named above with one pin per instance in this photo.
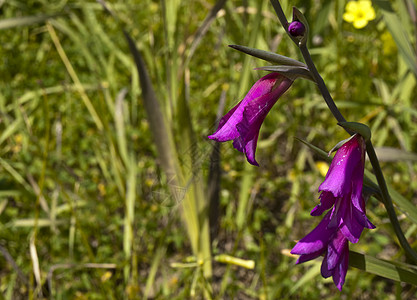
(296, 28)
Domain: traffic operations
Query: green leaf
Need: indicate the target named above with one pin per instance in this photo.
(317, 150)
(382, 268)
(269, 56)
(157, 123)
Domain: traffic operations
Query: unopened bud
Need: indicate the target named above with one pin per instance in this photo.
(296, 28)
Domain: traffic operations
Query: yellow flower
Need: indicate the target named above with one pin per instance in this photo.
(389, 47)
(359, 13)
(323, 167)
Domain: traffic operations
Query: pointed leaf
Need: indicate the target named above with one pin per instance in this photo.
(269, 56)
(23, 21)
(382, 268)
(163, 138)
(317, 150)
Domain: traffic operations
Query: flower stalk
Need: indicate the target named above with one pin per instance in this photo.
(321, 85)
(310, 64)
(340, 118)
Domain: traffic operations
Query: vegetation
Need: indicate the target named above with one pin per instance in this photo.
(108, 183)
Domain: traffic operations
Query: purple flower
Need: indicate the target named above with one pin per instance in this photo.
(296, 28)
(342, 192)
(243, 122)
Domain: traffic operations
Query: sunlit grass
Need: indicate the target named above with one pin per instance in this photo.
(86, 203)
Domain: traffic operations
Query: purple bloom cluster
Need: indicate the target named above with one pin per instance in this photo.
(342, 192)
(243, 122)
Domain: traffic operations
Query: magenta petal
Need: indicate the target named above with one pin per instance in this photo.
(339, 269)
(226, 130)
(335, 250)
(253, 116)
(250, 149)
(263, 86)
(357, 185)
(350, 227)
(307, 257)
(227, 126)
(316, 240)
(339, 177)
(325, 272)
(336, 215)
(238, 144)
(341, 192)
(360, 216)
(243, 122)
(326, 201)
(256, 111)
(339, 273)
(248, 129)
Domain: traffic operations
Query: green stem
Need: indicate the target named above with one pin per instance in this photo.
(339, 117)
(321, 85)
(282, 18)
(309, 62)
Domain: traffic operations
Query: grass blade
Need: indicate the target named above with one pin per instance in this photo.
(74, 77)
(400, 37)
(129, 216)
(24, 21)
(382, 268)
(163, 139)
(166, 149)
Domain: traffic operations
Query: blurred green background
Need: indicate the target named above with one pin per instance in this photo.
(87, 207)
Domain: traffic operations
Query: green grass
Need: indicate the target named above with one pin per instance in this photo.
(104, 186)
